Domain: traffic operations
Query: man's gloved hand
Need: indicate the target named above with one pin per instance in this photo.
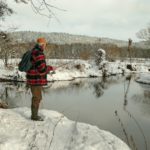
(51, 69)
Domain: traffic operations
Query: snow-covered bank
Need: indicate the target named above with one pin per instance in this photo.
(18, 132)
(144, 78)
(71, 69)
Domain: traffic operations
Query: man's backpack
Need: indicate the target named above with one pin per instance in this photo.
(25, 64)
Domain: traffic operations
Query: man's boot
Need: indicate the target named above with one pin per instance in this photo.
(34, 111)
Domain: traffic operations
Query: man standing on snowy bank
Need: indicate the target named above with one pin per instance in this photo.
(37, 76)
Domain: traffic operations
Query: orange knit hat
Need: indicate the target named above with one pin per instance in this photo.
(41, 41)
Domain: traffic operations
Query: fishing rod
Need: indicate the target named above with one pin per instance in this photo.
(63, 65)
(53, 71)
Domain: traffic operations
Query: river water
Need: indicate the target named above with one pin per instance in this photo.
(116, 104)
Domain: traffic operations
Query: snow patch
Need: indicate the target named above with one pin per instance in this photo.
(71, 69)
(18, 132)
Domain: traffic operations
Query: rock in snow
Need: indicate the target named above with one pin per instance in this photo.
(56, 132)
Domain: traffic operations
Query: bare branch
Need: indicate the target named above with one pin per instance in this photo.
(49, 10)
(52, 6)
(4, 9)
(144, 33)
(37, 10)
(22, 1)
(40, 6)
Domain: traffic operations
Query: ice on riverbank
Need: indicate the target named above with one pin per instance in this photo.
(18, 132)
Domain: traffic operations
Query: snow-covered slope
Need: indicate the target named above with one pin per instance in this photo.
(56, 132)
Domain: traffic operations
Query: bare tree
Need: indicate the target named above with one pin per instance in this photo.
(4, 10)
(129, 48)
(5, 47)
(144, 34)
(42, 7)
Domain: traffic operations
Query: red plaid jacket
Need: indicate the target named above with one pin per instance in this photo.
(37, 75)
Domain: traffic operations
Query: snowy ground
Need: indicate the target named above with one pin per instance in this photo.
(18, 132)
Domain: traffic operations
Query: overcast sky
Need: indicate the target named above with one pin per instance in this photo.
(119, 19)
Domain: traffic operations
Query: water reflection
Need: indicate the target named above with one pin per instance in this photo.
(122, 127)
(130, 136)
(139, 128)
(145, 97)
(12, 93)
(99, 87)
(126, 88)
(137, 134)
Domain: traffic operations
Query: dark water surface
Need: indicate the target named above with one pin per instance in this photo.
(116, 104)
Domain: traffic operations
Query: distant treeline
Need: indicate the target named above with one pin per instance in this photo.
(82, 51)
